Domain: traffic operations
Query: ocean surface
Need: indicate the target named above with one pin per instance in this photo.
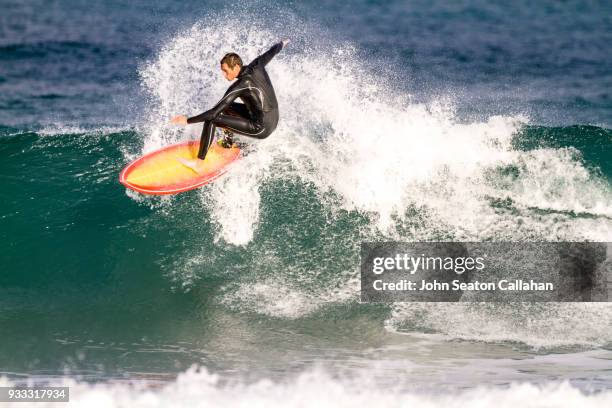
(409, 121)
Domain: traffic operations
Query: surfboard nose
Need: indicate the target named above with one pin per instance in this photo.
(162, 171)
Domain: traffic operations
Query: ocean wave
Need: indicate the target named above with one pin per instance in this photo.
(349, 132)
(197, 387)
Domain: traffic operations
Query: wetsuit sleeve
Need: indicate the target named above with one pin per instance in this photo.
(267, 56)
(212, 113)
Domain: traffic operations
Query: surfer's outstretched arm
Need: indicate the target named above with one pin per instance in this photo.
(267, 56)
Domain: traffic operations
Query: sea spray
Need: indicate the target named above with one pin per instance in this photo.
(414, 171)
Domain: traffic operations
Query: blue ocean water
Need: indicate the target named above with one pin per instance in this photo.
(399, 121)
(546, 59)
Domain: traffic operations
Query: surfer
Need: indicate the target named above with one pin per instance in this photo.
(256, 117)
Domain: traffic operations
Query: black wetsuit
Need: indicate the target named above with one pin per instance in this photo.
(256, 117)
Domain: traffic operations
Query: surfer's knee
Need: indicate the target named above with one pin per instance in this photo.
(267, 132)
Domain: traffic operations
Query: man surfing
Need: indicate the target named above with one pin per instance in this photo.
(256, 117)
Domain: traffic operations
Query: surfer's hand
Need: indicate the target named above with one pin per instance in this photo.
(285, 42)
(179, 120)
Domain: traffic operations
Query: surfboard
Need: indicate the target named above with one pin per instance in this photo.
(160, 172)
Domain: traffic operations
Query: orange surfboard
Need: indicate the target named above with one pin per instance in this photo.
(161, 172)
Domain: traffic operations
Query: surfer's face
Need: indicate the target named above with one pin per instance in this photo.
(230, 73)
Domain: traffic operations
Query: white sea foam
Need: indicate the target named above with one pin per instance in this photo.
(62, 129)
(282, 299)
(315, 388)
(539, 325)
(349, 131)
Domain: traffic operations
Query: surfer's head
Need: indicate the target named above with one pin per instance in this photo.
(231, 63)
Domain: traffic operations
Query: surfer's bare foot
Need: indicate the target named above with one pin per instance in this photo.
(194, 164)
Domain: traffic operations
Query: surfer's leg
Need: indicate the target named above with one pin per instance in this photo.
(206, 139)
(233, 123)
(238, 109)
(241, 125)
